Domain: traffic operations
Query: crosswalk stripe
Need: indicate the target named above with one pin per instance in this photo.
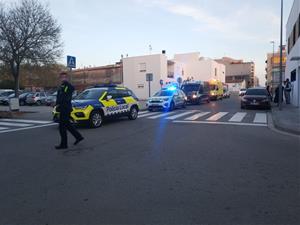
(217, 116)
(148, 114)
(161, 115)
(3, 128)
(260, 118)
(16, 124)
(25, 121)
(180, 115)
(143, 112)
(197, 116)
(238, 117)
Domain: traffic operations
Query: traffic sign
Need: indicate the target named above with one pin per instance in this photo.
(71, 61)
(149, 77)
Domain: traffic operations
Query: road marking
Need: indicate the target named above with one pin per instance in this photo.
(143, 112)
(148, 114)
(179, 115)
(27, 128)
(25, 121)
(197, 116)
(238, 117)
(217, 116)
(16, 124)
(260, 118)
(3, 128)
(220, 123)
(161, 115)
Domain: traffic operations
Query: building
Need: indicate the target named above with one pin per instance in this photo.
(194, 67)
(90, 76)
(256, 81)
(135, 70)
(292, 70)
(239, 74)
(273, 68)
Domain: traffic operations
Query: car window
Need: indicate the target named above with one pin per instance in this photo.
(90, 94)
(190, 87)
(256, 92)
(164, 93)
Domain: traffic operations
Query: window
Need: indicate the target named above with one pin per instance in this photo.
(293, 76)
(142, 67)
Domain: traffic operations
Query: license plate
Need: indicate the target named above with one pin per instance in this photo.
(254, 103)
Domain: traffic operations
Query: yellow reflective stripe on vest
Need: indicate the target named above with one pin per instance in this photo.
(66, 89)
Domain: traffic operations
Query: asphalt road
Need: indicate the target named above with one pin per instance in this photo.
(155, 170)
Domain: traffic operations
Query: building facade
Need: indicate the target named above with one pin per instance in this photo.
(90, 76)
(135, 70)
(239, 74)
(194, 67)
(292, 70)
(273, 68)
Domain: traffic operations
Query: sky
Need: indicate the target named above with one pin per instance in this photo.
(98, 32)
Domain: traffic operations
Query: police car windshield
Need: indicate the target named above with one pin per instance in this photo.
(164, 93)
(90, 94)
(190, 87)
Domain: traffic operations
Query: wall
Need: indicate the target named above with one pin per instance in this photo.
(294, 52)
(134, 73)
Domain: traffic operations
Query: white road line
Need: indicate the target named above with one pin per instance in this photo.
(3, 128)
(16, 124)
(238, 117)
(27, 128)
(179, 115)
(143, 112)
(25, 121)
(197, 116)
(260, 118)
(148, 114)
(161, 115)
(217, 116)
(220, 123)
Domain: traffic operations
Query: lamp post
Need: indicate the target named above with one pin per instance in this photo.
(280, 67)
(272, 64)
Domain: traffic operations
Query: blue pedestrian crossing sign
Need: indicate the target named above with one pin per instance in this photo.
(71, 61)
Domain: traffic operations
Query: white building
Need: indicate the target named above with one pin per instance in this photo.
(136, 68)
(200, 68)
(184, 66)
(293, 58)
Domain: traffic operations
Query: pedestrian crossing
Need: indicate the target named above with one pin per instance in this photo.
(10, 125)
(207, 117)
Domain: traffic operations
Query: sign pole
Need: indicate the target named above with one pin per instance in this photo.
(149, 88)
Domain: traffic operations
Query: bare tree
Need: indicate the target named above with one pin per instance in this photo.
(28, 34)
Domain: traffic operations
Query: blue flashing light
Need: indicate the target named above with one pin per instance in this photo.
(172, 88)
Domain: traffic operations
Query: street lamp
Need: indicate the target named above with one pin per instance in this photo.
(280, 70)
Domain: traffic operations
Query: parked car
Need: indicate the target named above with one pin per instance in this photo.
(51, 99)
(22, 98)
(226, 93)
(196, 92)
(4, 95)
(37, 98)
(256, 98)
(242, 91)
(167, 99)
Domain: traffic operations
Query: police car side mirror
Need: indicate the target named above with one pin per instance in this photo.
(109, 97)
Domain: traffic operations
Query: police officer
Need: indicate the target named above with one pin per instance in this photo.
(64, 107)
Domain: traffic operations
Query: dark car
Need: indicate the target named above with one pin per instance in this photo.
(22, 98)
(4, 96)
(256, 98)
(196, 92)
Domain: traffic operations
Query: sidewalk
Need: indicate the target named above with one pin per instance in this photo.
(288, 119)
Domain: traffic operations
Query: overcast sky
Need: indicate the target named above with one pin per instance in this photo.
(97, 32)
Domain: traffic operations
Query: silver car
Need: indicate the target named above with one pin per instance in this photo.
(167, 99)
(37, 98)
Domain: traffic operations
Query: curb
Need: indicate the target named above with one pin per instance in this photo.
(274, 126)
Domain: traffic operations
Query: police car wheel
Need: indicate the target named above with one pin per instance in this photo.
(96, 119)
(133, 114)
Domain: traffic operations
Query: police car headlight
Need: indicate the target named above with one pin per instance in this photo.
(81, 107)
(166, 99)
(194, 96)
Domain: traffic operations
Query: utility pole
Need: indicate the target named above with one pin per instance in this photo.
(280, 67)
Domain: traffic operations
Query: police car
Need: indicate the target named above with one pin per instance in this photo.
(167, 98)
(95, 104)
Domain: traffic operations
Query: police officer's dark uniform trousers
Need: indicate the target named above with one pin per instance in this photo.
(64, 106)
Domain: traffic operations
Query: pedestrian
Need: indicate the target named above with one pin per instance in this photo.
(269, 91)
(287, 91)
(64, 107)
(276, 98)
